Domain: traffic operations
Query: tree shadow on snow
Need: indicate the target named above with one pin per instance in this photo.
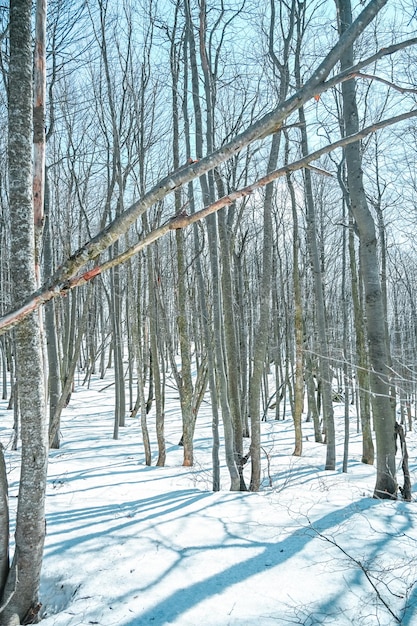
(85, 527)
(273, 553)
(119, 515)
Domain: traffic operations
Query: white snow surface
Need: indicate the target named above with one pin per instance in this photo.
(132, 545)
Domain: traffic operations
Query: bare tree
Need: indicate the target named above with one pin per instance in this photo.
(317, 272)
(281, 67)
(383, 414)
(19, 594)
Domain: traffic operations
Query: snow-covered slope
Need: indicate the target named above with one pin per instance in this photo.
(133, 545)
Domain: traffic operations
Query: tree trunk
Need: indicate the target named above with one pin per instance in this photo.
(346, 351)
(156, 372)
(311, 399)
(20, 592)
(119, 376)
(262, 330)
(406, 489)
(184, 379)
(39, 96)
(140, 345)
(364, 408)
(216, 344)
(384, 417)
(55, 418)
(324, 366)
(230, 341)
(297, 408)
(54, 378)
(4, 522)
(204, 313)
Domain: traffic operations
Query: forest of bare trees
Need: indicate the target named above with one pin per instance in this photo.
(222, 191)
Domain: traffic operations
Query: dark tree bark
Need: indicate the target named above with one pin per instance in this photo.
(406, 489)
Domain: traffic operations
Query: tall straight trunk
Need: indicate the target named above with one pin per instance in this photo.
(346, 355)
(4, 522)
(140, 343)
(383, 414)
(55, 418)
(116, 179)
(383, 255)
(186, 382)
(184, 379)
(298, 328)
(262, 330)
(242, 337)
(222, 309)
(154, 349)
(54, 378)
(103, 329)
(216, 343)
(324, 367)
(221, 380)
(220, 261)
(39, 101)
(230, 340)
(116, 321)
(362, 371)
(3, 349)
(204, 313)
(19, 596)
(279, 385)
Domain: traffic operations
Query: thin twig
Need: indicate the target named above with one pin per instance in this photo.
(361, 567)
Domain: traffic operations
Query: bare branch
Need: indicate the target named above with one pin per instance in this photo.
(351, 72)
(267, 125)
(363, 569)
(68, 275)
(386, 82)
(181, 221)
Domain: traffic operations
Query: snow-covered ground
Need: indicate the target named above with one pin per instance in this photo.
(133, 545)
